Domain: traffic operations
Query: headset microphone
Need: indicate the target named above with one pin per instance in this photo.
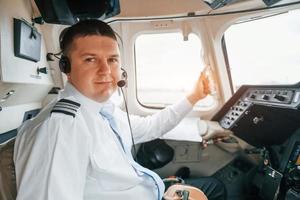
(121, 83)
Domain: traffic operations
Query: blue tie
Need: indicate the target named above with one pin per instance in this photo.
(106, 113)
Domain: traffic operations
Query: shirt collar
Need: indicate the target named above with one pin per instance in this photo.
(90, 104)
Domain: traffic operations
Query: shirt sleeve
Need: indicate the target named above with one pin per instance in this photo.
(151, 127)
(51, 160)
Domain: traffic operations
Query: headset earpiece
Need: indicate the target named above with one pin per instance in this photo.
(64, 64)
(124, 74)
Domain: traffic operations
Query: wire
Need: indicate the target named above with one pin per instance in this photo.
(132, 140)
(205, 15)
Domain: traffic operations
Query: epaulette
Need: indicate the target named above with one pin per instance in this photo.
(66, 107)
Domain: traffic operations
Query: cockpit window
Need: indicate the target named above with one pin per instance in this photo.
(167, 67)
(265, 51)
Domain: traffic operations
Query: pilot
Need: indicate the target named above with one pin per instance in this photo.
(79, 145)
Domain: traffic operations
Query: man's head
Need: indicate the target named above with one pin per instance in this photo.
(91, 52)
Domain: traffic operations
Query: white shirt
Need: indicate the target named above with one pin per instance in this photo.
(61, 157)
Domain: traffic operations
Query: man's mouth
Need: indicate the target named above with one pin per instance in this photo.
(104, 82)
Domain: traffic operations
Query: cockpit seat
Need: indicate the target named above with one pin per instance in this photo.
(8, 189)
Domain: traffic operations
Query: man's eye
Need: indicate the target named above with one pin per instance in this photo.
(113, 60)
(90, 59)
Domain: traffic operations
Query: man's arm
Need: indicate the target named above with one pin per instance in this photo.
(151, 127)
(154, 126)
(51, 160)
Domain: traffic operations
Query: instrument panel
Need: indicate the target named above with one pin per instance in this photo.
(262, 114)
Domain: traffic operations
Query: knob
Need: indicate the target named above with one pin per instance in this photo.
(266, 97)
(252, 96)
(279, 97)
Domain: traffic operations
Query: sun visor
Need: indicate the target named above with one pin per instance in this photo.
(68, 12)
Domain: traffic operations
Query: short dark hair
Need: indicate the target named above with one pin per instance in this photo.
(81, 29)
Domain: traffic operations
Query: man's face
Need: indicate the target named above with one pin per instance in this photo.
(95, 66)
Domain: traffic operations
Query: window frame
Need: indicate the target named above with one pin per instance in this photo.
(177, 30)
(224, 47)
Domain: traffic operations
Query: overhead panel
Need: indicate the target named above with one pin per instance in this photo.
(68, 12)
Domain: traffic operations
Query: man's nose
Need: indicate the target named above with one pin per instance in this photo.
(104, 67)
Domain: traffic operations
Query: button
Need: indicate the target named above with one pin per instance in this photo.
(252, 96)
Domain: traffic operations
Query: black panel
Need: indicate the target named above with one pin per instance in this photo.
(69, 12)
(277, 125)
(27, 41)
(215, 4)
(55, 11)
(270, 2)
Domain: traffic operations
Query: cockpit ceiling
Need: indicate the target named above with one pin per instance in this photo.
(157, 8)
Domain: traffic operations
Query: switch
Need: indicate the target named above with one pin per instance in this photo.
(253, 96)
(42, 70)
(266, 97)
(279, 97)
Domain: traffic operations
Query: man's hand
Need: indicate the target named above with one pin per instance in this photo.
(214, 131)
(211, 132)
(201, 89)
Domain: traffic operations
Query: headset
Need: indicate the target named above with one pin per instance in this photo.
(64, 62)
